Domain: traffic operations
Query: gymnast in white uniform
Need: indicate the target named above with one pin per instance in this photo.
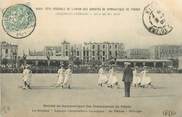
(102, 78)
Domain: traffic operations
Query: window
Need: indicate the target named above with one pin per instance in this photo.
(110, 53)
(93, 46)
(116, 53)
(6, 51)
(98, 47)
(103, 53)
(84, 53)
(97, 53)
(103, 46)
(93, 53)
(78, 53)
(66, 53)
(103, 59)
(116, 46)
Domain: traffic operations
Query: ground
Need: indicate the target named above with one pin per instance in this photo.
(88, 96)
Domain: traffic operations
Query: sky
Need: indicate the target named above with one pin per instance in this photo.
(52, 29)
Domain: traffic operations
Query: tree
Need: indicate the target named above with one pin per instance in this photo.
(4, 61)
(93, 63)
(77, 61)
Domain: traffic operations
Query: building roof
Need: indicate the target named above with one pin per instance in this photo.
(6, 44)
(63, 58)
(59, 58)
(142, 60)
(105, 42)
(36, 53)
(167, 46)
(36, 58)
(65, 42)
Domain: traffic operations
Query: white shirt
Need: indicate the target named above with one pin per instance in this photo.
(60, 72)
(68, 73)
(27, 74)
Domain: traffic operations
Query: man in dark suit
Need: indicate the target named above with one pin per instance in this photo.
(127, 79)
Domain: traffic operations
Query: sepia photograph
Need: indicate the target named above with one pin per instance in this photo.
(90, 58)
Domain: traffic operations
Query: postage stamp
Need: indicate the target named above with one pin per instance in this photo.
(155, 21)
(19, 21)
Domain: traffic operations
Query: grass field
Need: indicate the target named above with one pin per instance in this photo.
(143, 102)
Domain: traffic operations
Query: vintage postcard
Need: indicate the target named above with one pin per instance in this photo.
(90, 58)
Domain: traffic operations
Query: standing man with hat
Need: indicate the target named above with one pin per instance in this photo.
(127, 78)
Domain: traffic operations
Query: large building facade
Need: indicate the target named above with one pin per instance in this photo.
(138, 53)
(88, 51)
(165, 51)
(8, 53)
(76, 52)
(102, 51)
(62, 50)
